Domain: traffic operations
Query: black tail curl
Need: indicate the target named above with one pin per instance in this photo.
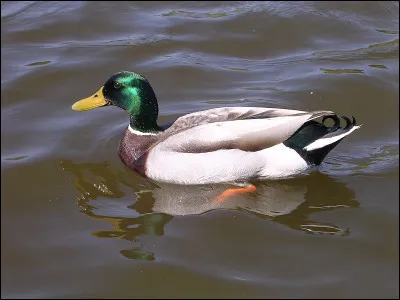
(336, 119)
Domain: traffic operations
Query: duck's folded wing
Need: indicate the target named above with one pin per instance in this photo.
(253, 133)
(224, 114)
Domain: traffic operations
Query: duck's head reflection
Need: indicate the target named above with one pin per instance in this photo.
(136, 206)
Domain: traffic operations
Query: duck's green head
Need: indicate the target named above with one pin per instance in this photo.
(131, 92)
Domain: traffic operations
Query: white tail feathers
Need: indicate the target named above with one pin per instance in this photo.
(322, 142)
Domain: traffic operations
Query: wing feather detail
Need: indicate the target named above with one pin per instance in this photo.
(246, 129)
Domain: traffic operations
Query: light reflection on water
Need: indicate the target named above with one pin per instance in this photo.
(137, 207)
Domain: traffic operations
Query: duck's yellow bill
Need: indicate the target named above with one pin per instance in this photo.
(91, 102)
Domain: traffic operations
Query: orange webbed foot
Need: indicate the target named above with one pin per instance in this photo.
(233, 192)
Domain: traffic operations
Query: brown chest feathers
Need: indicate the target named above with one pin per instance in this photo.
(133, 148)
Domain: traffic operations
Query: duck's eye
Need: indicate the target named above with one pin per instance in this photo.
(117, 85)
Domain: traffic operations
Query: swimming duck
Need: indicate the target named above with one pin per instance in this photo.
(227, 144)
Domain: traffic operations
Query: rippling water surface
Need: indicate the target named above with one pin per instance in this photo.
(77, 223)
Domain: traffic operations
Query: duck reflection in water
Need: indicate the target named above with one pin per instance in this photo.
(136, 206)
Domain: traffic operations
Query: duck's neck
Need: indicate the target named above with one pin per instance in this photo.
(144, 125)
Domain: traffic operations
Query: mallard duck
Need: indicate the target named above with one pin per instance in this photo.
(227, 144)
